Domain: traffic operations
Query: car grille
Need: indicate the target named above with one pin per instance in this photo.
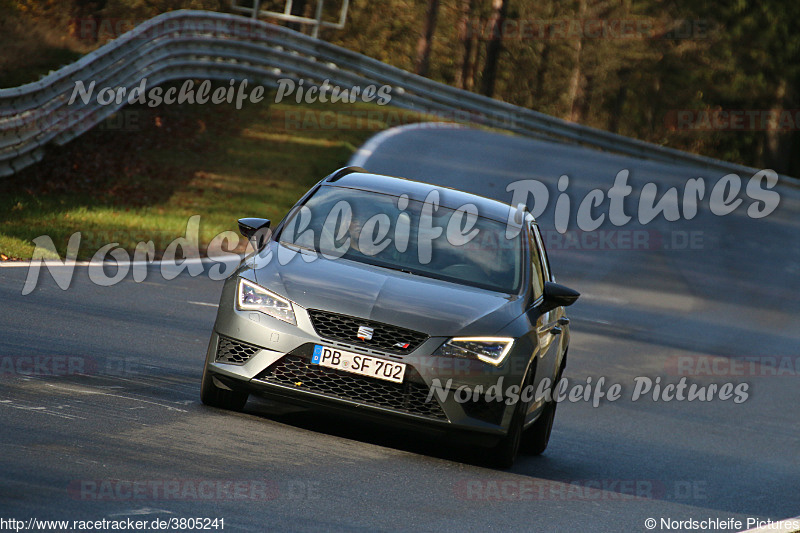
(295, 370)
(385, 337)
(234, 352)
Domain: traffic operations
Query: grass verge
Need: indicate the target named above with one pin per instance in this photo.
(143, 173)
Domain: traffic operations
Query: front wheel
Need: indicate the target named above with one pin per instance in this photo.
(535, 438)
(215, 396)
(505, 452)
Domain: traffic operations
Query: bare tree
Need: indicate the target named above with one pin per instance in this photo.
(499, 10)
(575, 78)
(426, 39)
(468, 34)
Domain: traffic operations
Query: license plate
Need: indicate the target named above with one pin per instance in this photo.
(357, 363)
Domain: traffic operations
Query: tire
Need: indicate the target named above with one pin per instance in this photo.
(505, 452)
(536, 437)
(214, 396)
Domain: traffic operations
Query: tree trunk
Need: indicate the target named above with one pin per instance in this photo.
(471, 57)
(794, 158)
(619, 104)
(572, 110)
(425, 41)
(778, 143)
(500, 8)
(538, 94)
(541, 71)
(465, 34)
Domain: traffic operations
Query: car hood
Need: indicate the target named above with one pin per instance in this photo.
(435, 307)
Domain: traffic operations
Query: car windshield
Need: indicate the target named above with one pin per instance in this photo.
(422, 238)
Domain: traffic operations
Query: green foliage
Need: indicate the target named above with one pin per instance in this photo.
(704, 57)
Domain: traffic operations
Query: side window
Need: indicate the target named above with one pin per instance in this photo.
(537, 270)
(542, 253)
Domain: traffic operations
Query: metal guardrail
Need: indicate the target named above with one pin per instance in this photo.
(198, 44)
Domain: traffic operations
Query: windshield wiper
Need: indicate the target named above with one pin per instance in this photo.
(298, 246)
(398, 269)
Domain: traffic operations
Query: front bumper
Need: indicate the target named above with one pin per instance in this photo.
(260, 354)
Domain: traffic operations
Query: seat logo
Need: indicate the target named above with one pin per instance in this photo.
(365, 333)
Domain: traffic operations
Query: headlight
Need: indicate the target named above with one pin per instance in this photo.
(251, 297)
(492, 350)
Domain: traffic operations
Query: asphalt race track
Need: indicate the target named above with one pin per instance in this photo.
(126, 437)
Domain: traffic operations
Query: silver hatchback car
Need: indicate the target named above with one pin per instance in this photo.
(412, 304)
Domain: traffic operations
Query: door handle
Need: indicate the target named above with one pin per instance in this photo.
(555, 330)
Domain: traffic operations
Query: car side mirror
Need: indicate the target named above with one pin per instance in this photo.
(556, 295)
(256, 230)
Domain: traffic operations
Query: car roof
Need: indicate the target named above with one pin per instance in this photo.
(417, 190)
